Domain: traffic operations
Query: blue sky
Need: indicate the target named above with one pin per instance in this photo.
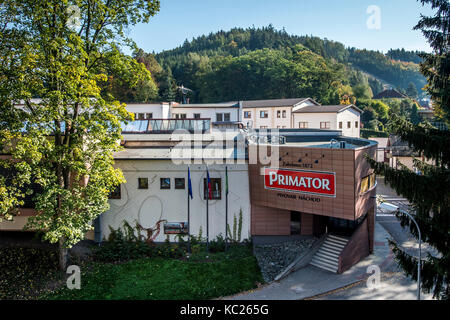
(340, 20)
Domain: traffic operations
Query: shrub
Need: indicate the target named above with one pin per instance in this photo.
(217, 244)
(126, 245)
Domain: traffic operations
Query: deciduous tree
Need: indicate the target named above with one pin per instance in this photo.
(55, 50)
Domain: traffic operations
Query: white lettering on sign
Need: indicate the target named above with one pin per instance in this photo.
(302, 181)
(306, 182)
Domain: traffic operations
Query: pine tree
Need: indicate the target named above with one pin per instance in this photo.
(428, 192)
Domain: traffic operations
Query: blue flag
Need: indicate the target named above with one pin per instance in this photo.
(189, 184)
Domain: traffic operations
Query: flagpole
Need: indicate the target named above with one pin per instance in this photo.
(189, 195)
(207, 224)
(226, 207)
(189, 213)
(208, 182)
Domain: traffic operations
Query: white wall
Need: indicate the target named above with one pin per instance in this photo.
(206, 112)
(352, 116)
(314, 120)
(159, 111)
(150, 205)
(272, 121)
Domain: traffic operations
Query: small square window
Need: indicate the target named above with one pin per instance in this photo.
(219, 117)
(179, 183)
(196, 115)
(115, 194)
(247, 114)
(165, 183)
(149, 116)
(142, 183)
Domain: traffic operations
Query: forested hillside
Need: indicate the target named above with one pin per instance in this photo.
(268, 63)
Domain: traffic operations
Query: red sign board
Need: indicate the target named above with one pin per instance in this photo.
(302, 181)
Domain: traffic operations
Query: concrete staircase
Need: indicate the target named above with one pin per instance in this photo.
(327, 257)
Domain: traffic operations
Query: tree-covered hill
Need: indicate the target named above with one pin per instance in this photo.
(263, 63)
(205, 63)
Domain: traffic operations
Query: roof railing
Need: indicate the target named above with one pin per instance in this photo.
(155, 126)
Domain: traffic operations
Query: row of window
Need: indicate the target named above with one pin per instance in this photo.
(180, 183)
(265, 114)
(327, 125)
(323, 125)
(349, 124)
(143, 116)
(226, 117)
(220, 117)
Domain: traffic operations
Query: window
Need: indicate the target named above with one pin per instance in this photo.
(196, 115)
(180, 116)
(142, 183)
(340, 125)
(115, 194)
(303, 125)
(284, 113)
(165, 183)
(149, 115)
(368, 183)
(278, 113)
(247, 114)
(179, 183)
(325, 125)
(222, 117)
(263, 114)
(356, 124)
(364, 184)
(349, 124)
(216, 188)
(141, 116)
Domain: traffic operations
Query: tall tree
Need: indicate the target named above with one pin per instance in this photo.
(436, 65)
(56, 50)
(428, 192)
(411, 91)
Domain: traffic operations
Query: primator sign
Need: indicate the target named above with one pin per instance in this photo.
(301, 181)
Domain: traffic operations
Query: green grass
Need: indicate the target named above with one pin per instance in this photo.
(220, 274)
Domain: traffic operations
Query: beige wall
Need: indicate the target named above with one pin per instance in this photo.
(314, 119)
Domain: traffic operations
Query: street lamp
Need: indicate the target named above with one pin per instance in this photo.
(388, 207)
